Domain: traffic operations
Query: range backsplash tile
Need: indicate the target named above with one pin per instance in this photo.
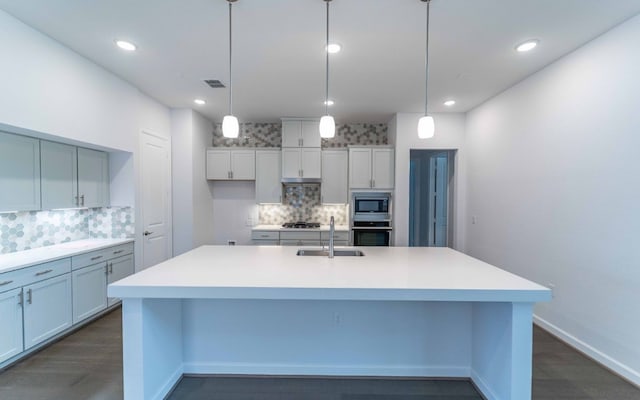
(32, 229)
(253, 134)
(301, 203)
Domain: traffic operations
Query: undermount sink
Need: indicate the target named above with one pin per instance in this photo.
(325, 253)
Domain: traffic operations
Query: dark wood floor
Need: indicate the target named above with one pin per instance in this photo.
(87, 365)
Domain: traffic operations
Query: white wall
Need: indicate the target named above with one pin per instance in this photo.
(554, 182)
(50, 91)
(450, 135)
(233, 203)
(192, 198)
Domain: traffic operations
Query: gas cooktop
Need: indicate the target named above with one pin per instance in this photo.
(301, 225)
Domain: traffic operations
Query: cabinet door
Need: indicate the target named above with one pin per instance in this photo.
(219, 164)
(360, 168)
(119, 268)
(311, 163)
(11, 326)
(93, 178)
(334, 187)
(59, 165)
(47, 309)
(89, 291)
(310, 134)
(383, 168)
(243, 165)
(268, 186)
(291, 163)
(291, 133)
(19, 173)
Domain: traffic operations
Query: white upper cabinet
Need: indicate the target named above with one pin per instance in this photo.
(301, 163)
(300, 133)
(334, 187)
(19, 173)
(93, 178)
(268, 176)
(371, 168)
(231, 164)
(59, 175)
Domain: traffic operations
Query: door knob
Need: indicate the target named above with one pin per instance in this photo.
(147, 233)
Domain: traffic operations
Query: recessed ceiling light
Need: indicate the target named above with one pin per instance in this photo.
(527, 46)
(329, 102)
(449, 103)
(200, 102)
(333, 48)
(124, 45)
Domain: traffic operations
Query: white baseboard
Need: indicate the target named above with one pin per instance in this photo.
(614, 365)
(483, 387)
(170, 383)
(324, 370)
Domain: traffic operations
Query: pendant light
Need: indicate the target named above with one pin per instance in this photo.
(327, 124)
(426, 126)
(230, 126)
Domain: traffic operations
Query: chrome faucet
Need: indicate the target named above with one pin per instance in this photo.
(332, 230)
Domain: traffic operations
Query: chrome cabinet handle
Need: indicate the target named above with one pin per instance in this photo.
(264, 236)
(302, 142)
(231, 174)
(373, 184)
(21, 298)
(5, 283)
(96, 258)
(29, 296)
(117, 252)
(111, 268)
(147, 233)
(43, 272)
(82, 200)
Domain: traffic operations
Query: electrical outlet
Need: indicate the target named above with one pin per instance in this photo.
(231, 242)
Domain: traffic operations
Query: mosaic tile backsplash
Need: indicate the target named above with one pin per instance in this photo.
(270, 135)
(32, 229)
(302, 203)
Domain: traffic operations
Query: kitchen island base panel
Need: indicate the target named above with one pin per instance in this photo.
(487, 342)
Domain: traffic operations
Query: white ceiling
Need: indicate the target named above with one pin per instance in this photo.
(279, 49)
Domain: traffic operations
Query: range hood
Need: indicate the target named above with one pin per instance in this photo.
(315, 181)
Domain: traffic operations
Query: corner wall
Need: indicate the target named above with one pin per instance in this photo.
(554, 189)
(450, 135)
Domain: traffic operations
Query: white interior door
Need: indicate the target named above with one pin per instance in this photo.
(155, 159)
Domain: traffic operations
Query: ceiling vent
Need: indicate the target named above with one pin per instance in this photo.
(214, 83)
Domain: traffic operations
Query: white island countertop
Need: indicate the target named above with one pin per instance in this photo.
(273, 272)
(26, 258)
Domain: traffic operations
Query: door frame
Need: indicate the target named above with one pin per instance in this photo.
(139, 245)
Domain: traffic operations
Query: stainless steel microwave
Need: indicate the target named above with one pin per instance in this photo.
(368, 206)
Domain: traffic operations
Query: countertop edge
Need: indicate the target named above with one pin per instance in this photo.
(65, 253)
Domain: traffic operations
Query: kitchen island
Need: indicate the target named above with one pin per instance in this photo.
(397, 311)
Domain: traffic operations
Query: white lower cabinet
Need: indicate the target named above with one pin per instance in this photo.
(89, 291)
(11, 326)
(47, 309)
(299, 242)
(117, 269)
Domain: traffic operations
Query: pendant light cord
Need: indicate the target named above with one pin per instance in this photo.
(326, 93)
(426, 62)
(230, 65)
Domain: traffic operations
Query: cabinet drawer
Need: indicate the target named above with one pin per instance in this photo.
(300, 242)
(93, 257)
(341, 235)
(35, 273)
(119, 251)
(265, 235)
(287, 235)
(336, 243)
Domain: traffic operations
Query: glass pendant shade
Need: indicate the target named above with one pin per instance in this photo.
(327, 127)
(426, 127)
(230, 126)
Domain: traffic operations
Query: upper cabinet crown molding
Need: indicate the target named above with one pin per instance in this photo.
(300, 132)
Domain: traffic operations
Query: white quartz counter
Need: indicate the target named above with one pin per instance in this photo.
(384, 273)
(26, 258)
(323, 228)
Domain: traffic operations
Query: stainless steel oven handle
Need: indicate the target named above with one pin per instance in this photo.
(371, 228)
